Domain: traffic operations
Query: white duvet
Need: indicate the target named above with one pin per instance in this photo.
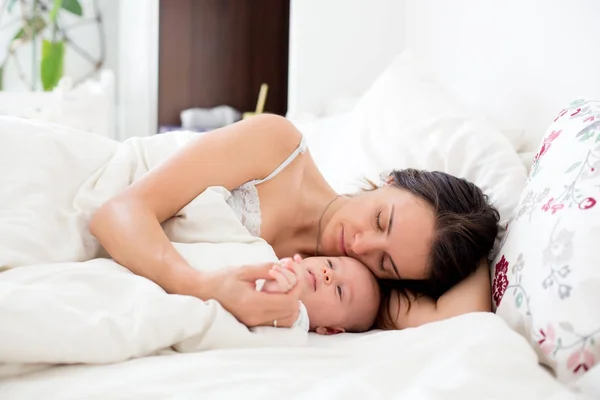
(59, 302)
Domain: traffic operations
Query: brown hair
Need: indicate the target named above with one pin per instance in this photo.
(466, 228)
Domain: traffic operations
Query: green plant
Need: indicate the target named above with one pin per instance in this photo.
(41, 19)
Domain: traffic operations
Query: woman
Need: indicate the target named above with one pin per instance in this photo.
(419, 226)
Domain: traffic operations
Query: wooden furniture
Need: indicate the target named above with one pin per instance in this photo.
(215, 52)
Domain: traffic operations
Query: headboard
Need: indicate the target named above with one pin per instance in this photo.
(516, 61)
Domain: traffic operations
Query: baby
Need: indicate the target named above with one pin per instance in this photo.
(339, 294)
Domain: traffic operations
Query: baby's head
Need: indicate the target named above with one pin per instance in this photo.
(342, 295)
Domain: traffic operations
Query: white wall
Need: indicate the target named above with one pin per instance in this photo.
(519, 62)
(364, 35)
(85, 36)
(138, 68)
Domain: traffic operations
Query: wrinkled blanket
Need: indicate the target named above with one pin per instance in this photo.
(61, 299)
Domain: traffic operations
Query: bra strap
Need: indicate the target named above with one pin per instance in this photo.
(300, 149)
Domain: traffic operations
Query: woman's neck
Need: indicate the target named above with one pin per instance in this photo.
(316, 206)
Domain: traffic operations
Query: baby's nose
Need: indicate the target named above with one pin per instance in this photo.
(327, 276)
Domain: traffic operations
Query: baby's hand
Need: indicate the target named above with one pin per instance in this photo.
(284, 278)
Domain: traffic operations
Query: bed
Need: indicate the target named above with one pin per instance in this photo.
(498, 94)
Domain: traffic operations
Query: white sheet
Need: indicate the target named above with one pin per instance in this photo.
(475, 356)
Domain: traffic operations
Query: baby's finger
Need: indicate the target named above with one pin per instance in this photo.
(251, 273)
(281, 279)
(303, 280)
(289, 274)
(296, 269)
(288, 263)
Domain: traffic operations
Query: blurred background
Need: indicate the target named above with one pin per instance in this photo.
(134, 67)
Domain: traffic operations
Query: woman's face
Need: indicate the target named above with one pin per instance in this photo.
(389, 230)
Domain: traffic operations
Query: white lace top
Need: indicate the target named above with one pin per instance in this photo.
(244, 200)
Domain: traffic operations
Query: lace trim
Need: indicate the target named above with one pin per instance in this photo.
(244, 201)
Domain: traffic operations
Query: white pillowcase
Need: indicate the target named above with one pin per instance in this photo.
(332, 149)
(406, 120)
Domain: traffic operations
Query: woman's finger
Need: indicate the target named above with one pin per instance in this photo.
(274, 303)
(287, 321)
(254, 272)
(286, 312)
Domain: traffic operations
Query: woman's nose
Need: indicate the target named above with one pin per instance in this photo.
(364, 243)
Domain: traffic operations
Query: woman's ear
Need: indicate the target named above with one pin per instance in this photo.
(389, 180)
(326, 330)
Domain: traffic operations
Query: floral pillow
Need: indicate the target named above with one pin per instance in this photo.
(546, 270)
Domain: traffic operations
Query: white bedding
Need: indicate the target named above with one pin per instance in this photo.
(59, 302)
(475, 356)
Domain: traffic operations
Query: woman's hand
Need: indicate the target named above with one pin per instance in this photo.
(285, 275)
(235, 289)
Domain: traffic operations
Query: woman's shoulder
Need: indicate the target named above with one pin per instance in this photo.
(275, 132)
(247, 150)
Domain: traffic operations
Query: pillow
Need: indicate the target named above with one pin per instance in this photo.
(546, 272)
(335, 156)
(406, 119)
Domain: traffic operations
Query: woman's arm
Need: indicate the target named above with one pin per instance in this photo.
(128, 226)
(471, 295)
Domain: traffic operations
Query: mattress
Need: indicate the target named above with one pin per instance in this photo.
(474, 356)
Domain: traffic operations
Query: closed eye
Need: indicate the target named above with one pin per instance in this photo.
(339, 291)
(378, 220)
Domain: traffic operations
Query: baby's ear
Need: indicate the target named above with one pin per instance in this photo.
(326, 330)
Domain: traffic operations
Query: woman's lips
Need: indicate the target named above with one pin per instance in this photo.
(342, 245)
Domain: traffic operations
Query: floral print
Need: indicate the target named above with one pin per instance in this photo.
(581, 361)
(589, 132)
(552, 206)
(531, 202)
(500, 280)
(555, 257)
(543, 150)
(572, 195)
(547, 343)
(516, 286)
(545, 268)
(575, 344)
(501, 285)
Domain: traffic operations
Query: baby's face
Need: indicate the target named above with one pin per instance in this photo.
(342, 295)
